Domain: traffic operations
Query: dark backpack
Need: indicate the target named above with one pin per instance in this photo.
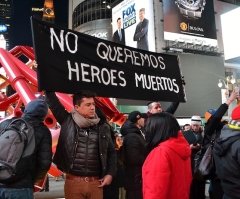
(17, 144)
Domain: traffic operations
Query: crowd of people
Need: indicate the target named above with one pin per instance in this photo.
(154, 158)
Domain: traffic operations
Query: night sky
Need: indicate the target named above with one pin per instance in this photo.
(21, 34)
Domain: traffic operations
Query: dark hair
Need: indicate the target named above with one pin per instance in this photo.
(160, 127)
(186, 125)
(118, 19)
(78, 96)
(149, 104)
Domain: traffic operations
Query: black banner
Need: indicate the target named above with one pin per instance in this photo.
(70, 61)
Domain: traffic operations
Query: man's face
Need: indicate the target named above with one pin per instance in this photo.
(195, 127)
(186, 128)
(156, 108)
(141, 122)
(141, 15)
(86, 108)
(119, 23)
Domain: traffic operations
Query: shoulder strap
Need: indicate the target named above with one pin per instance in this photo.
(211, 140)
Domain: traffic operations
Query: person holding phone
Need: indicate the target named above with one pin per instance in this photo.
(195, 139)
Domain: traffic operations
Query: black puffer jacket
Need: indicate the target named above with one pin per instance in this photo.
(226, 154)
(42, 159)
(65, 153)
(133, 155)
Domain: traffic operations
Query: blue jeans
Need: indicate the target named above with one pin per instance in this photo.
(12, 193)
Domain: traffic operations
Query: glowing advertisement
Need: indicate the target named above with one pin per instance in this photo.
(133, 24)
(231, 34)
(190, 21)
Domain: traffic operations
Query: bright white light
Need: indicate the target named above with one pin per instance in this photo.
(233, 81)
(221, 82)
(230, 33)
(108, 6)
(2, 42)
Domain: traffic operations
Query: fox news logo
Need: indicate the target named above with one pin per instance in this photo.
(129, 16)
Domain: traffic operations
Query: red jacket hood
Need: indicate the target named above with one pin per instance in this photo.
(179, 145)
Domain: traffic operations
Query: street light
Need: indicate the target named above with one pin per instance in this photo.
(220, 83)
(224, 91)
(232, 80)
(229, 79)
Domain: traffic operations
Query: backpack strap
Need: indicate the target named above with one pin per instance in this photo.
(3, 129)
(17, 120)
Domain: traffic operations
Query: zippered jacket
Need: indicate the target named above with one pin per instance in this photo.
(82, 152)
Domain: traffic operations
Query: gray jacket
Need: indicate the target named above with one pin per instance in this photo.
(141, 35)
(226, 154)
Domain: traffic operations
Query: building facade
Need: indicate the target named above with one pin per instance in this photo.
(201, 72)
(92, 17)
(6, 14)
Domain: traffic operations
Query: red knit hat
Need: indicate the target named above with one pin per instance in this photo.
(236, 113)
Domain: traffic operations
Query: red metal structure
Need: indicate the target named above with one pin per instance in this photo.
(24, 81)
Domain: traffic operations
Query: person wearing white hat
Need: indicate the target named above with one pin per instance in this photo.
(195, 139)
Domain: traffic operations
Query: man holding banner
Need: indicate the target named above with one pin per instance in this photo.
(155, 107)
(69, 61)
(85, 151)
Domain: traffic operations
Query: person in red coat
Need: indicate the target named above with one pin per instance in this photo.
(166, 172)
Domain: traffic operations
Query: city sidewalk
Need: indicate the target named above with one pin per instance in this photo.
(55, 190)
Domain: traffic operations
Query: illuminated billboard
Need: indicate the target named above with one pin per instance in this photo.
(190, 21)
(133, 24)
(231, 34)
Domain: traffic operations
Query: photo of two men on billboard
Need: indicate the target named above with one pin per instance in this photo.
(140, 35)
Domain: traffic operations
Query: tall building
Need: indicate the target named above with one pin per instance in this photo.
(6, 19)
(92, 17)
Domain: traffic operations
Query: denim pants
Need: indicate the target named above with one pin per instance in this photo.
(12, 193)
(74, 189)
